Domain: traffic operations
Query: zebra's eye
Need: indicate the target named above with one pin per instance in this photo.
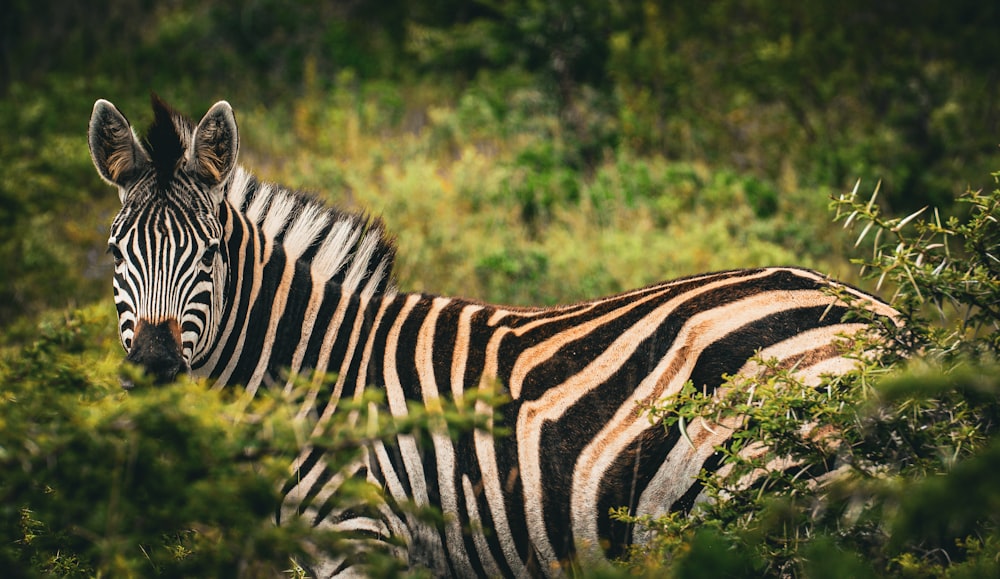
(208, 258)
(115, 254)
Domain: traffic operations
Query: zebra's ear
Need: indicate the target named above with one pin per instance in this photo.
(215, 145)
(114, 148)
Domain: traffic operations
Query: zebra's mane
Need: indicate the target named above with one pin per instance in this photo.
(348, 248)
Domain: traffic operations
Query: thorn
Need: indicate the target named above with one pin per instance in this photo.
(871, 201)
(682, 425)
(850, 219)
(864, 232)
(911, 217)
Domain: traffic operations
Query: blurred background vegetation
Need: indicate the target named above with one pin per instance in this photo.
(527, 152)
(524, 151)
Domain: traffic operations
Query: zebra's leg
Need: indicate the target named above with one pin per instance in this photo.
(353, 521)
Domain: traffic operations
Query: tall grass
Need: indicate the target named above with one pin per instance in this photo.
(490, 201)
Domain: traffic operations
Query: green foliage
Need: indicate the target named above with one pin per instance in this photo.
(912, 453)
(48, 213)
(177, 480)
(488, 198)
(767, 87)
(769, 84)
(564, 40)
(567, 113)
(512, 275)
(541, 182)
(949, 268)
(160, 481)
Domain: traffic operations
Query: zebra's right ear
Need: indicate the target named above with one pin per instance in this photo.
(114, 148)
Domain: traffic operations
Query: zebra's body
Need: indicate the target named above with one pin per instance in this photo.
(249, 280)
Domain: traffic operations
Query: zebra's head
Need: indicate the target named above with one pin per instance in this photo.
(167, 241)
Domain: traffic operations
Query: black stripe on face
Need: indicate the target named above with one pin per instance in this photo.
(195, 320)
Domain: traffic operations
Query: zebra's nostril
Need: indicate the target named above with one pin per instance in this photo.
(164, 368)
(156, 348)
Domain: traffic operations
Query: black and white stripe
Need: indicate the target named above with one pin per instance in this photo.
(295, 286)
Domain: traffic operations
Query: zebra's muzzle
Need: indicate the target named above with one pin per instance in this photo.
(157, 348)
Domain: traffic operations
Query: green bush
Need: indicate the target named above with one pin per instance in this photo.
(915, 437)
(50, 248)
(168, 481)
(174, 480)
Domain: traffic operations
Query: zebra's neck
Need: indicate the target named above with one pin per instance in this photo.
(290, 261)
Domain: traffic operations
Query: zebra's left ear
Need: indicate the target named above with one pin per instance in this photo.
(216, 143)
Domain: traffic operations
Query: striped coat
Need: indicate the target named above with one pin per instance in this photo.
(223, 276)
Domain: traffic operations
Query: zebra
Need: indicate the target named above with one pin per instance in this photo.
(223, 276)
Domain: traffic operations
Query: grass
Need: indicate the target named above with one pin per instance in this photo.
(492, 205)
(488, 193)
